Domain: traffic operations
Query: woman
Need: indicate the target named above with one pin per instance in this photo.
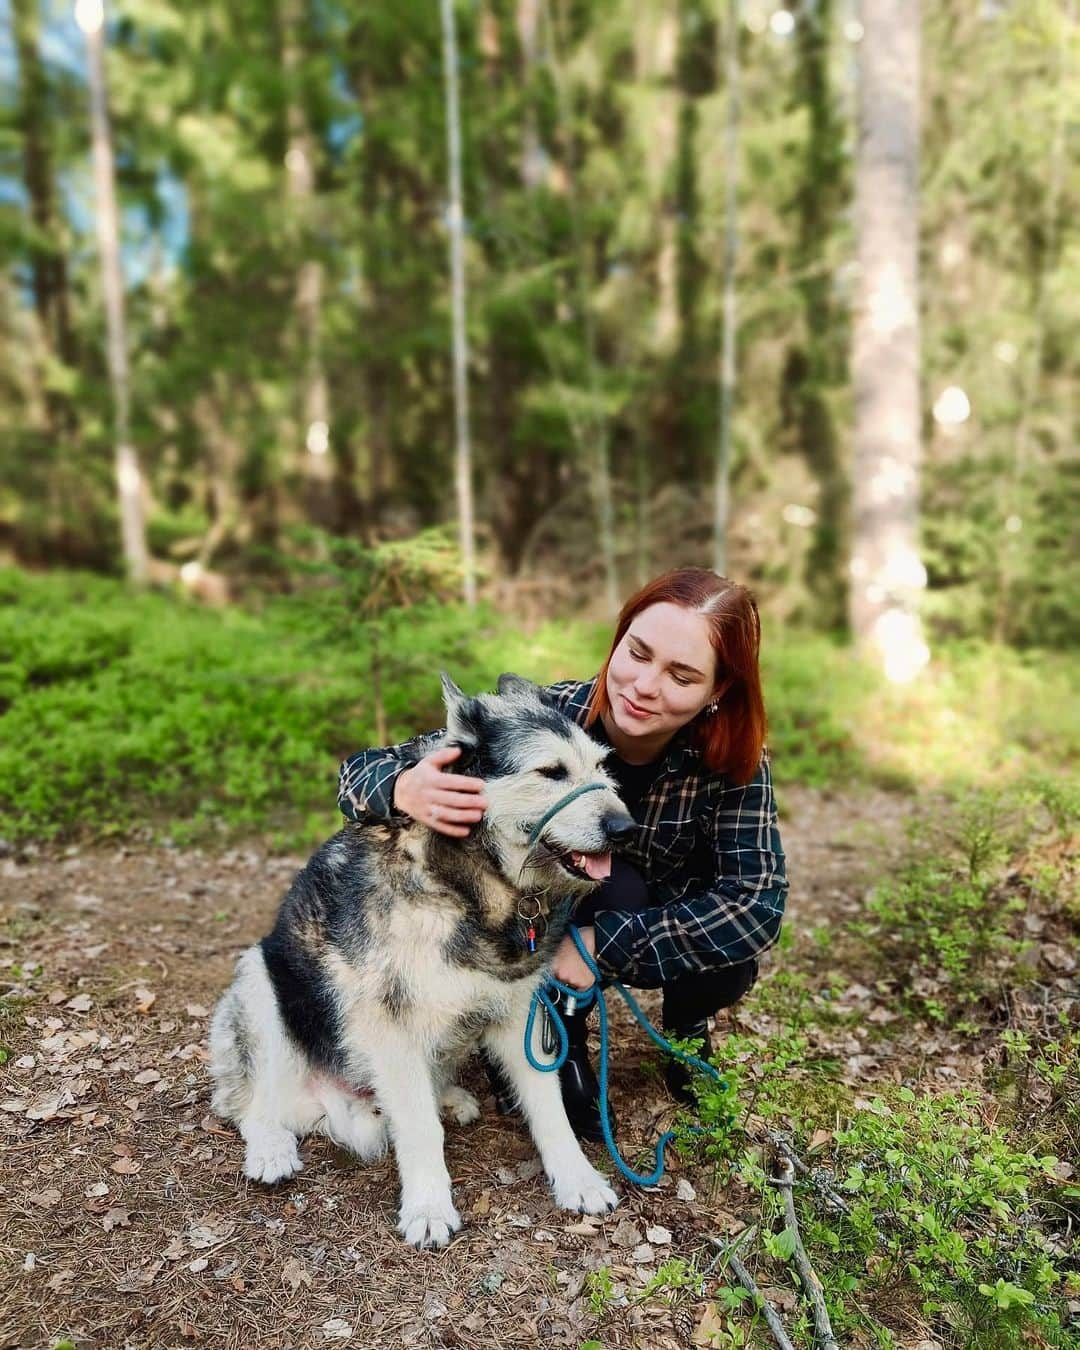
(699, 893)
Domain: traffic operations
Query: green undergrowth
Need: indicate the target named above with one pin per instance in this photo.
(942, 1197)
(121, 711)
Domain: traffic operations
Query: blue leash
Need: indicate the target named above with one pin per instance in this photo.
(585, 998)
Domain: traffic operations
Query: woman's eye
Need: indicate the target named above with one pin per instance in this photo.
(555, 771)
(680, 679)
(638, 656)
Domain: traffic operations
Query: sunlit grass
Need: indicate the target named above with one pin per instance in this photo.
(118, 710)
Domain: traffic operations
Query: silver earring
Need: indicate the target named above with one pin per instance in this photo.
(713, 707)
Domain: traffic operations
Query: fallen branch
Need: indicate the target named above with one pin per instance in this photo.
(729, 1254)
(785, 1183)
(828, 1194)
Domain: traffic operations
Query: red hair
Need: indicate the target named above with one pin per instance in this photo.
(731, 739)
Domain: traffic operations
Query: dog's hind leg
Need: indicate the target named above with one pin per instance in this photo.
(261, 1077)
(576, 1184)
(352, 1121)
(459, 1104)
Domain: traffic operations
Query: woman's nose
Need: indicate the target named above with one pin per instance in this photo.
(646, 682)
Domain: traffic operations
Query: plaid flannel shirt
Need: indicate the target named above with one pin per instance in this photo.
(709, 850)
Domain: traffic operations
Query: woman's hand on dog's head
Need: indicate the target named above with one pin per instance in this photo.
(446, 802)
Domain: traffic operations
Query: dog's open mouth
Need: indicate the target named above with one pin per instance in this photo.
(595, 866)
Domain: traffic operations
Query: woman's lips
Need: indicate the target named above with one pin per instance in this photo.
(633, 709)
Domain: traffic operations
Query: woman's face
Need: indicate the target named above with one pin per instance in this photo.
(662, 673)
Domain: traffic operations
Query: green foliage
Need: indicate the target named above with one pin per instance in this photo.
(150, 708)
(951, 1202)
(947, 928)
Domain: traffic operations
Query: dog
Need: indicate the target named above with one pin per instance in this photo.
(398, 950)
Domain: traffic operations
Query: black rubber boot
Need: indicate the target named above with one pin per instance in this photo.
(580, 1086)
(678, 1075)
(505, 1101)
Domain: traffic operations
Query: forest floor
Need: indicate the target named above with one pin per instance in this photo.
(126, 1217)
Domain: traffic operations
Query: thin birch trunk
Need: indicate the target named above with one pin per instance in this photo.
(722, 491)
(129, 480)
(456, 222)
(47, 261)
(887, 576)
(533, 162)
(313, 453)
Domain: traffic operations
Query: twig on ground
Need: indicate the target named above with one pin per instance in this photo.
(780, 1336)
(728, 1253)
(830, 1196)
(785, 1183)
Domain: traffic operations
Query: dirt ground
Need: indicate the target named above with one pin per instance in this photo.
(125, 1220)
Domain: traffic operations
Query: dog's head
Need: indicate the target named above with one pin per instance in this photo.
(533, 760)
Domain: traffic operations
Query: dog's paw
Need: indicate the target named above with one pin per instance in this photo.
(585, 1192)
(272, 1157)
(459, 1105)
(429, 1223)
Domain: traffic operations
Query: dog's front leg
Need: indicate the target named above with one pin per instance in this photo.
(576, 1184)
(404, 1090)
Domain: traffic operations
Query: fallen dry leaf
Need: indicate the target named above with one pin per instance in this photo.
(44, 1199)
(144, 1000)
(142, 1277)
(626, 1234)
(710, 1330)
(212, 1229)
(147, 1076)
(80, 1003)
(127, 1166)
(116, 1218)
(294, 1273)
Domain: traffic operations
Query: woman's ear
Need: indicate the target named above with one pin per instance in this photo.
(722, 686)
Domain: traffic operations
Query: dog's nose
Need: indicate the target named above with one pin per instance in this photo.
(619, 827)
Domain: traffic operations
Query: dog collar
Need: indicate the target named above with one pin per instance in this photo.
(534, 834)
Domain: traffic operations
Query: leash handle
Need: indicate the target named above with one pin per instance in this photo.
(585, 998)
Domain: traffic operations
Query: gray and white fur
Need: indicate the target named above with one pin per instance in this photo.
(398, 950)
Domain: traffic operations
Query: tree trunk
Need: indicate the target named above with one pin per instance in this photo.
(129, 480)
(456, 221)
(314, 454)
(533, 159)
(887, 576)
(47, 263)
(731, 249)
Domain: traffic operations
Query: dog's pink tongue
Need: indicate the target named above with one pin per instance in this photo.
(597, 865)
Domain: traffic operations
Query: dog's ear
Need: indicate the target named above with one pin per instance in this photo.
(466, 761)
(510, 684)
(460, 720)
(452, 695)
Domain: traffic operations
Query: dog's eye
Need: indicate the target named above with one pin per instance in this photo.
(555, 771)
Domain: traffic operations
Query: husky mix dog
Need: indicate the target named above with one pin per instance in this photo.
(398, 950)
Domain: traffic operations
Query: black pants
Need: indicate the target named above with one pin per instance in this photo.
(688, 999)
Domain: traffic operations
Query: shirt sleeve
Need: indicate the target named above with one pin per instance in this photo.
(366, 780)
(731, 921)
